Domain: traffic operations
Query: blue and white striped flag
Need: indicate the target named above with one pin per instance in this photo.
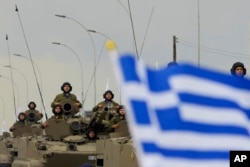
(183, 116)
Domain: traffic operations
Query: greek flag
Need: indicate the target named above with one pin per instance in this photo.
(183, 116)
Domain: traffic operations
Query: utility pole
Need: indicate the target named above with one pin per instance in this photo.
(174, 48)
(198, 40)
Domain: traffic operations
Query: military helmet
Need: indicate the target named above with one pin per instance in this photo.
(21, 113)
(32, 102)
(66, 83)
(238, 64)
(172, 63)
(108, 91)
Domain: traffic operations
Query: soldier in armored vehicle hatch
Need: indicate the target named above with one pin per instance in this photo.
(114, 123)
(108, 105)
(103, 112)
(58, 114)
(21, 121)
(33, 115)
(56, 126)
(67, 100)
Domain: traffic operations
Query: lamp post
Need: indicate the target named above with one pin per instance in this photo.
(94, 49)
(18, 55)
(94, 31)
(26, 81)
(79, 60)
(108, 38)
(105, 36)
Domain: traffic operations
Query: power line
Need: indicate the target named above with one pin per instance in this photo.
(213, 50)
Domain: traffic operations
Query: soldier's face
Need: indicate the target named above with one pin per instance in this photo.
(21, 117)
(91, 134)
(57, 110)
(239, 71)
(122, 111)
(66, 88)
(108, 96)
(32, 106)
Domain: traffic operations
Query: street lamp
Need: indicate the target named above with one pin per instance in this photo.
(108, 38)
(18, 55)
(94, 50)
(104, 35)
(94, 31)
(26, 81)
(57, 43)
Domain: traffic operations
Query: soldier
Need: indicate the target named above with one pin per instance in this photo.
(114, 123)
(67, 100)
(20, 122)
(108, 105)
(238, 69)
(33, 115)
(58, 114)
(91, 135)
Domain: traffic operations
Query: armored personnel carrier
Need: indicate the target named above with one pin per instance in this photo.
(118, 150)
(63, 143)
(70, 142)
(5, 146)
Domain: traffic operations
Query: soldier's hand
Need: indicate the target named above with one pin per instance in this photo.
(45, 124)
(105, 122)
(116, 126)
(77, 105)
(12, 129)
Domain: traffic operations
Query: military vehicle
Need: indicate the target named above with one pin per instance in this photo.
(63, 142)
(68, 142)
(117, 150)
(5, 146)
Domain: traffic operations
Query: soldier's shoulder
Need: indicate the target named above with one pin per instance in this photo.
(102, 102)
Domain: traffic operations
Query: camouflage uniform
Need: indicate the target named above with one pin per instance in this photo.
(56, 115)
(109, 107)
(60, 98)
(103, 104)
(20, 122)
(17, 124)
(115, 120)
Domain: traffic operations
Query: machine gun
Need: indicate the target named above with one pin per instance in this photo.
(69, 108)
(32, 116)
(97, 122)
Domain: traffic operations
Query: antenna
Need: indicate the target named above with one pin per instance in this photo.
(146, 33)
(132, 25)
(40, 93)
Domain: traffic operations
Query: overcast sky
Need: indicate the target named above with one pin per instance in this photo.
(224, 39)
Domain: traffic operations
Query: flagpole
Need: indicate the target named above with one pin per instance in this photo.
(198, 40)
